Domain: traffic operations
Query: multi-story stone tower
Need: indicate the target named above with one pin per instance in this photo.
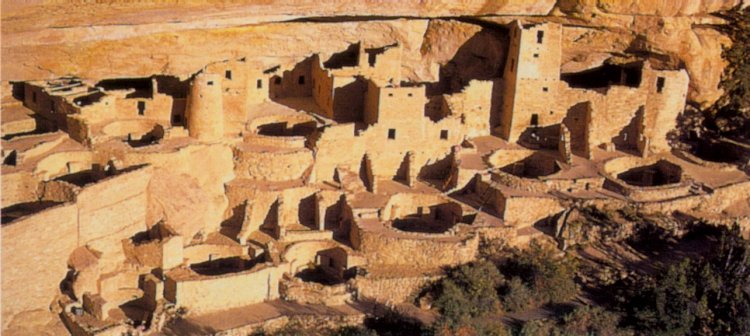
(531, 77)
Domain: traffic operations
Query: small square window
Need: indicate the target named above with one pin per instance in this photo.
(536, 55)
(141, 108)
(392, 133)
(545, 89)
(301, 80)
(534, 120)
(659, 84)
(390, 95)
(259, 83)
(210, 83)
(409, 94)
(277, 80)
(444, 134)
(228, 74)
(540, 36)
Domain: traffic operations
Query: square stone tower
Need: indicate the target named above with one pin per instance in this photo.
(531, 77)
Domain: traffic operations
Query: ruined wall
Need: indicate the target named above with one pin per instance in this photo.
(518, 212)
(35, 250)
(203, 294)
(400, 127)
(198, 183)
(415, 250)
(392, 290)
(114, 208)
(294, 82)
(667, 93)
(473, 106)
(299, 291)
(275, 165)
(243, 84)
(322, 90)
(19, 187)
(158, 107)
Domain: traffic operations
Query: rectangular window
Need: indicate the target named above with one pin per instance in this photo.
(545, 89)
(536, 55)
(390, 95)
(540, 36)
(141, 107)
(534, 120)
(259, 84)
(392, 133)
(277, 80)
(409, 94)
(444, 134)
(659, 84)
(228, 74)
(301, 80)
(210, 83)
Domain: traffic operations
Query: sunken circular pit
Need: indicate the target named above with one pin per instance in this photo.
(646, 180)
(534, 166)
(660, 173)
(427, 215)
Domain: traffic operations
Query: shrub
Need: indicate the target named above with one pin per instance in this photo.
(518, 297)
(539, 328)
(551, 279)
(353, 331)
(587, 320)
(470, 291)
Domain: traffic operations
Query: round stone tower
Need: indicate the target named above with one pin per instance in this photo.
(204, 110)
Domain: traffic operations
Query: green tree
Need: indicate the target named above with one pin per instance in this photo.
(706, 296)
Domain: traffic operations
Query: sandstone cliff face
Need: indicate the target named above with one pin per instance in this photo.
(122, 39)
(648, 7)
(95, 41)
(676, 33)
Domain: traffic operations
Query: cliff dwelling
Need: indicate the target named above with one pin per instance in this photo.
(324, 159)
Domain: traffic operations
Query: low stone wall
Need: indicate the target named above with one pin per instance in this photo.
(712, 203)
(20, 187)
(648, 194)
(521, 214)
(306, 322)
(272, 165)
(299, 291)
(114, 208)
(34, 255)
(276, 141)
(420, 251)
(391, 289)
(203, 294)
